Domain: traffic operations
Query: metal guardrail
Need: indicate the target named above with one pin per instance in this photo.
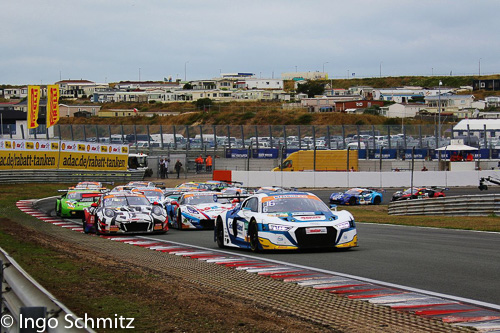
(464, 205)
(68, 176)
(22, 295)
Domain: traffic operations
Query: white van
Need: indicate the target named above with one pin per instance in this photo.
(354, 146)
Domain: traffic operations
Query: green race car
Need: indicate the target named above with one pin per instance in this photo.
(72, 203)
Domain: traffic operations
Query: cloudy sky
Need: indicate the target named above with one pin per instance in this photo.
(117, 40)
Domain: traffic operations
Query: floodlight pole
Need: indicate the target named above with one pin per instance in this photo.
(439, 114)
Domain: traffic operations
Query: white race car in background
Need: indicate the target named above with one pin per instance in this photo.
(198, 210)
(285, 221)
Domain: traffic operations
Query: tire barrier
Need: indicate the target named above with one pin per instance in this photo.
(464, 205)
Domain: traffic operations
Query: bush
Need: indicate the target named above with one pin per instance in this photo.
(203, 103)
(305, 119)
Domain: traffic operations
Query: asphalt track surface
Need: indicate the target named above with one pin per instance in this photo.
(452, 262)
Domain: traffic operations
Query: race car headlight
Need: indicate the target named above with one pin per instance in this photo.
(344, 225)
(279, 227)
(157, 210)
(109, 213)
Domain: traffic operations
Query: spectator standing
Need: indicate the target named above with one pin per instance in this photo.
(162, 168)
(199, 163)
(208, 163)
(177, 167)
(165, 162)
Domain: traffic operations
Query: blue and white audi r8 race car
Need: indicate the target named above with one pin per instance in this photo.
(356, 196)
(198, 210)
(285, 221)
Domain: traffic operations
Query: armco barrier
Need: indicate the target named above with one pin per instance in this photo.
(21, 293)
(361, 179)
(464, 205)
(68, 176)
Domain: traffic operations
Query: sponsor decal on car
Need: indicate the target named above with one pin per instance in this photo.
(316, 230)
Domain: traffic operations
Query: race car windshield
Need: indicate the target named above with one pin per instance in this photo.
(74, 196)
(352, 192)
(294, 205)
(126, 201)
(152, 194)
(199, 199)
(408, 191)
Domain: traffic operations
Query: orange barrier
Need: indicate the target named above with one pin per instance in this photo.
(222, 175)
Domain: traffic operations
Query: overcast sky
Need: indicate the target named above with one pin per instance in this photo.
(117, 40)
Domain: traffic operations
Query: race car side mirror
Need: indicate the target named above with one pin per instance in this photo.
(333, 207)
(235, 201)
(94, 204)
(174, 203)
(156, 203)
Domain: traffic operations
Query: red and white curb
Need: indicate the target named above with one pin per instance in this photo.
(484, 317)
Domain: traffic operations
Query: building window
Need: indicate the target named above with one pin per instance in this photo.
(482, 84)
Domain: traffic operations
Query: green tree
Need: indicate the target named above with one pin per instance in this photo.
(203, 103)
(187, 86)
(311, 88)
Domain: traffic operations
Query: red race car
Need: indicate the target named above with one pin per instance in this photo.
(419, 193)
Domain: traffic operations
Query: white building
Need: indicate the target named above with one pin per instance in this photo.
(477, 127)
(275, 84)
(400, 110)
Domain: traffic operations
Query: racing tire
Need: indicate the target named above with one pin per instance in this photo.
(377, 200)
(58, 211)
(219, 233)
(179, 219)
(84, 225)
(96, 230)
(352, 201)
(254, 236)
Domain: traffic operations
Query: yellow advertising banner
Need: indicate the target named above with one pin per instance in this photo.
(38, 154)
(92, 156)
(33, 105)
(52, 105)
(26, 154)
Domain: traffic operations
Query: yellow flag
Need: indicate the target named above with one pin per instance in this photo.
(33, 105)
(52, 104)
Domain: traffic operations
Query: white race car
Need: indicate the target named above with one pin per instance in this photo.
(118, 213)
(198, 210)
(285, 221)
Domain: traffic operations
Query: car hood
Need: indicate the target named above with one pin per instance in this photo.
(304, 216)
(210, 210)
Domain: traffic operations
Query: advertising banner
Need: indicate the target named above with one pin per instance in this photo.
(52, 105)
(265, 153)
(92, 156)
(33, 106)
(28, 154)
(39, 154)
(236, 153)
